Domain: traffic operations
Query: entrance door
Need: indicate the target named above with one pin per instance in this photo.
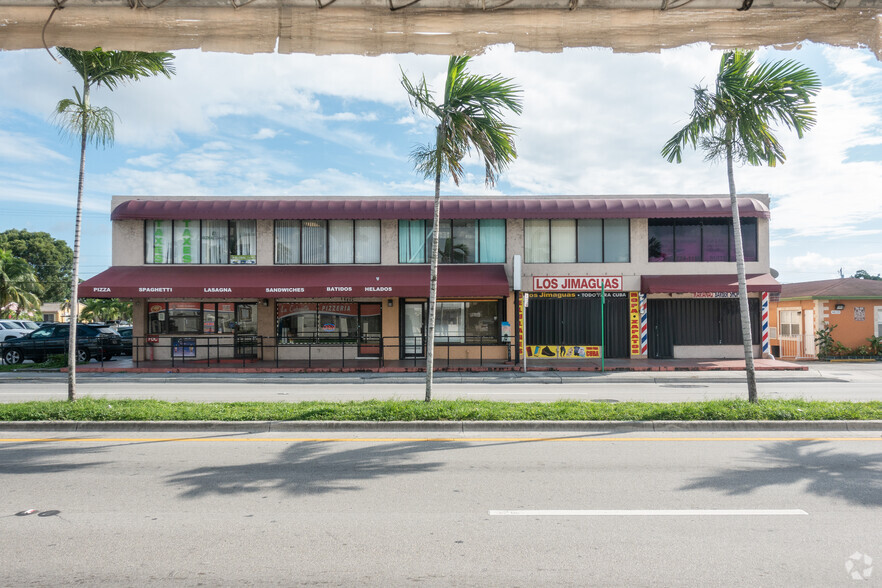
(661, 330)
(370, 329)
(413, 342)
(809, 331)
(244, 335)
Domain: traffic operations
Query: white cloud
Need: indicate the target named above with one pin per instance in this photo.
(22, 148)
(265, 133)
(152, 160)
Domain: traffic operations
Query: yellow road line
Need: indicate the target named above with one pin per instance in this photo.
(419, 439)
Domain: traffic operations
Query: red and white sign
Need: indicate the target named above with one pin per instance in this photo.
(577, 283)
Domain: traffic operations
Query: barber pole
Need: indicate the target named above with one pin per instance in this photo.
(765, 316)
(644, 332)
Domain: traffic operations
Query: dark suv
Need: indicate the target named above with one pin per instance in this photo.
(95, 341)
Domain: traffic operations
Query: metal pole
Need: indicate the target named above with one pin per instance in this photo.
(602, 301)
(523, 341)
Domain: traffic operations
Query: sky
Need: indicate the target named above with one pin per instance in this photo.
(594, 123)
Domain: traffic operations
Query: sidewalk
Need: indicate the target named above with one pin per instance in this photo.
(244, 366)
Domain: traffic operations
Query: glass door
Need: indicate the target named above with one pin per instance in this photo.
(413, 342)
(244, 335)
(370, 329)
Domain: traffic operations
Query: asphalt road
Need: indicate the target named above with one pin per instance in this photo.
(845, 382)
(417, 509)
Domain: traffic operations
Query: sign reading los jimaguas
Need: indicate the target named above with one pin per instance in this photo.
(576, 283)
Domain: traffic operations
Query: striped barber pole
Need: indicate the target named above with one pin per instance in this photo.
(765, 317)
(644, 333)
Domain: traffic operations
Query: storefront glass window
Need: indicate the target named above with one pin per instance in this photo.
(184, 317)
(482, 321)
(158, 241)
(469, 322)
(287, 241)
(187, 240)
(788, 323)
(563, 241)
(215, 241)
(450, 323)
(156, 317)
(209, 317)
(314, 245)
(367, 241)
(311, 322)
(226, 316)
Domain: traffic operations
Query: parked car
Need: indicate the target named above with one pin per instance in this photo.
(98, 342)
(10, 330)
(125, 334)
(26, 324)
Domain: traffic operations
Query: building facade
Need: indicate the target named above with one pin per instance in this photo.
(551, 277)
(852, 306)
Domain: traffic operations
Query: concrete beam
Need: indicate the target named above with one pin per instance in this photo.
(343, 28)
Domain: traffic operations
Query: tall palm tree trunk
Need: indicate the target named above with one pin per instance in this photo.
(433, 280)
(742, 283)
(74, 301)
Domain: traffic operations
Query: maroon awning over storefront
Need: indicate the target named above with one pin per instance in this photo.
(347, 281)
(681, 284)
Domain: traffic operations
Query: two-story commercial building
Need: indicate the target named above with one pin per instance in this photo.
(518, 275)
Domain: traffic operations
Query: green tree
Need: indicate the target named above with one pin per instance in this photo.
(865, 275)
(735, 123)
(106, 309)
(78, 118)
(18, 284)
(51, 260)
(469, 117)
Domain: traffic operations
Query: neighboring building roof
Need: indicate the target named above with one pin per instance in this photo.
(451, 208)
(841, 288)
(293, 281)
(706, 283)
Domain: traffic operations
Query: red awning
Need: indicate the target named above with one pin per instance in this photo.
(681, 284)
(451, 208)
(337, 281)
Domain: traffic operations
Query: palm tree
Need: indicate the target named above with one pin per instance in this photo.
(735, 122)
(82, 121)
(18, 283)
(469, 117)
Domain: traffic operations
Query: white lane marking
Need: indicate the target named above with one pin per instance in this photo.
(649, 513)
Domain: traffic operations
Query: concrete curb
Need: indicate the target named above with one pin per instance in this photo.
(436, 426)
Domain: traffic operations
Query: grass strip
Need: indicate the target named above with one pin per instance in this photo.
(95, 409)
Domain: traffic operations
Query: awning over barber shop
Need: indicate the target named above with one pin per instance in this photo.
(702, 284)
(294, 281)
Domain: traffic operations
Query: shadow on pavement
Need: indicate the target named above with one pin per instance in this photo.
(43, 458)
(853, 477)
(312, 468)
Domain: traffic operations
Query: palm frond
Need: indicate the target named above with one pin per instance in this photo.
(111, 68)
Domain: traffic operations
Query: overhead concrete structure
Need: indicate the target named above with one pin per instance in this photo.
(373, 27)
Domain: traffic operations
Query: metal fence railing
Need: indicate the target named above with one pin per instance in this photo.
(361, 351)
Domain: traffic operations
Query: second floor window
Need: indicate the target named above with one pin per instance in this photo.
(459, 241)
(693, 239)
(327, 241)
(200, 241)
(586, 240)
